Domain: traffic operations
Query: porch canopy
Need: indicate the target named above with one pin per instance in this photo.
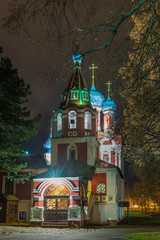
(69, 168)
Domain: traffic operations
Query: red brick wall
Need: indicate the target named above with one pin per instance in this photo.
(82, 151)
(107, 143)
(98, 178)
(62, 153)
(80, 127)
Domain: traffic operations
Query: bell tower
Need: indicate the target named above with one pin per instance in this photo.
(75, 131)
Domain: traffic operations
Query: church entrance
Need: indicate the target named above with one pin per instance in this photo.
(56, 202)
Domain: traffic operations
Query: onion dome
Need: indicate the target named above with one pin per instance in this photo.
(76, 95)
(109, 105)
(47, 145)
(97, 98)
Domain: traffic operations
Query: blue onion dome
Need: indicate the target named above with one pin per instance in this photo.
(96, 97)
(47, 145)
(109, 105)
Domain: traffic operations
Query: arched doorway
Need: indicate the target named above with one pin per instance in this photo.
(56, 201)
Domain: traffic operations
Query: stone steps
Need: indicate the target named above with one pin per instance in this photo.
(58, 224)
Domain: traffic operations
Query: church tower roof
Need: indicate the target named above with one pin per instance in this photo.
(109, 104)
(76, 94)
(97, 98)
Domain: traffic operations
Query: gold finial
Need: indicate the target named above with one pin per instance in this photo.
(51, 127)
(109, 88)
(93, 67)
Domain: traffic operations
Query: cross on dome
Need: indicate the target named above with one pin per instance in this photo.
(109, 88)
(92, 68)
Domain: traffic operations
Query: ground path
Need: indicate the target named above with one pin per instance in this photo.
(30, 233)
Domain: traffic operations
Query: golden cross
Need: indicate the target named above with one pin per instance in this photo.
(109, 88)
(93, 67)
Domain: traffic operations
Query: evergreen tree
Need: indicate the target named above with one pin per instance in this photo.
(16, 127)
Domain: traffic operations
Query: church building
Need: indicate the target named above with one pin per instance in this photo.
(80, 180)
(84, 182)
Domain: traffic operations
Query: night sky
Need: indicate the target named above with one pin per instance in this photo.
(48, 72)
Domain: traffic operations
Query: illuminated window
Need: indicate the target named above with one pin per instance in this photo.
(56, 190)
(72, 119)
(87, 120)
(101, 188)
(74, 95)
(85, 96)
(59, 121)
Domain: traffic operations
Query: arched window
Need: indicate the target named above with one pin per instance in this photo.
(56, 190)
(72, 119)
(87, 120)
(72, 152)
(59, 121)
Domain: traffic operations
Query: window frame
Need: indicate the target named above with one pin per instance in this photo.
(72, 118)
(87, 120)
(59, 122)
(71, 147)
(72, 93)
(87, 94)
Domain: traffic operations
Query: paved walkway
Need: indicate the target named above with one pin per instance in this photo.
(30, 233)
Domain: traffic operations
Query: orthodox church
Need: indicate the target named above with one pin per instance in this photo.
(82, 180)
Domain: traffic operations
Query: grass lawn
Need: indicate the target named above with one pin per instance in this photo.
(142, 219)
(144, 236)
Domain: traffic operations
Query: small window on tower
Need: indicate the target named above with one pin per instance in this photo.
(74, 95)
(85, 96)
(72, 154)
(59, 121)
(87, 120)
(72, 119)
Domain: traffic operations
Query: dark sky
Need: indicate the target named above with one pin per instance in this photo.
(33, 66)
